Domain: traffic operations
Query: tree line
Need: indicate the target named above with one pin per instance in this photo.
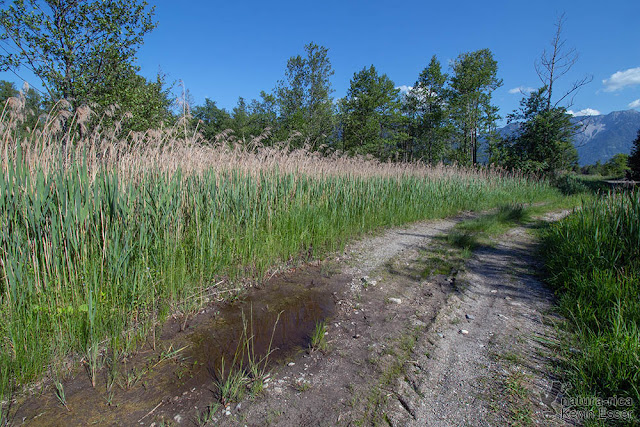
(439, 119)
(84, 51)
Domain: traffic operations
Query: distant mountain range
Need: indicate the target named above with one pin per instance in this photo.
(600, 137)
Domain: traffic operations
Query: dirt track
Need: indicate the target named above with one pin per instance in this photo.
(467, 348)
(409, 344)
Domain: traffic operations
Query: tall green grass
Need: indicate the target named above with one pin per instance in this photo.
(87, 262)
(101, 238)
(593, 258)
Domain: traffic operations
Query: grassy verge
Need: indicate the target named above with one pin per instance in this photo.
(457, 245)
(468, 235)
(593, 261)
(97, 248)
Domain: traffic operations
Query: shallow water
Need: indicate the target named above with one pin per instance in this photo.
(273, 323)
(276, 320)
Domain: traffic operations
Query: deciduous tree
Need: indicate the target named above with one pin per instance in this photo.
(212, 119)
(7, 90)
(81, 50)
(542, 142)
(617, 166)
(370, 115)
(30, 101)
(264, 113)
(473, 81)
(304, 97)
(428, 113)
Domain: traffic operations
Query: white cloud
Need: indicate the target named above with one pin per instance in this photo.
(585, 112)
(521, 89)
(622, 79)
(635, 104)
(404, 88)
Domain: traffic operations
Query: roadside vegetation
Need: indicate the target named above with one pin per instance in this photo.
(593, 262)
(102, 237)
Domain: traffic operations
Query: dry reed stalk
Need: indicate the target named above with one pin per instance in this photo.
(169, 149)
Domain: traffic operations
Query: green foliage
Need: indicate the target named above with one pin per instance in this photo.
(617, 166)
(108, 254)
(60, 395)
(30, 100)
(248, 370)
(263, 113)
(74, 47)
(369, 114)
(211, 120)
(468, 235)
(7, 90)
(543, 141)
(594, 169)
(241, 120)
(493, 224)
(319, 338)
(246, 121)
(593, 260)
(570, 185)
(473, 81)
(249, 121)
(230, 383)
(83, 52)
(426, 108)
(147, 103)
(304, 98)
(439, 120)
(634, 159)
(207, 416)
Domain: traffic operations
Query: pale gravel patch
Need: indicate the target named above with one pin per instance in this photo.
(371, 253)
(460, 380)
(555, 216)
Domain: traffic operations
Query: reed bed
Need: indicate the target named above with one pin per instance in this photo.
(593, 258)
(103, 235)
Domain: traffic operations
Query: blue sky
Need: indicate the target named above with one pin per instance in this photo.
(225, 49)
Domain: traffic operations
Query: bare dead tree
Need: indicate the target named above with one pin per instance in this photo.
(557, 62)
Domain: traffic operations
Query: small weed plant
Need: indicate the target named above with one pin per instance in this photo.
(247, 371)
(319, 337)
(60, 395)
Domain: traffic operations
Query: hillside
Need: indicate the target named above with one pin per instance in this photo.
(600, 137)
(606, 135)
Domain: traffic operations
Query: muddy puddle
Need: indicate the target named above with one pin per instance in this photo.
(176, 381)
(274, 322)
